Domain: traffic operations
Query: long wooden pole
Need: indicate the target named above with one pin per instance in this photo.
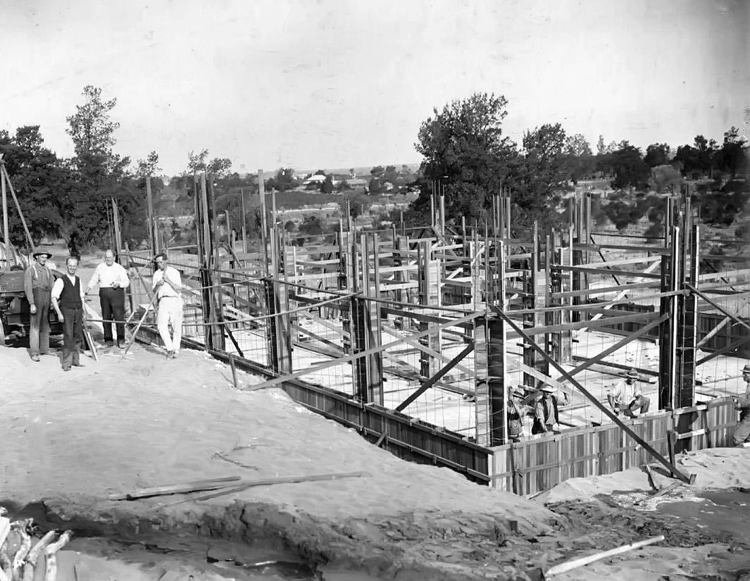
(6, 230)
(151, 233)
(244, 222)
(575, 563)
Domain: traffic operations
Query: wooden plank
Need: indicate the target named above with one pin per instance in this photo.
(608, 271)
(183, 488)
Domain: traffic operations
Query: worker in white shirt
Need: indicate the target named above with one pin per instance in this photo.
(626, 397)
(112, 280)
(167, 284)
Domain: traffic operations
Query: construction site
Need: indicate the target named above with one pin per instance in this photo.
(414, 337)
(413, 340)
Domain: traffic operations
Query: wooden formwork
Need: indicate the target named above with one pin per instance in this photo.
(534, 466)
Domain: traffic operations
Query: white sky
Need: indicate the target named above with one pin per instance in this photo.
(342, 83)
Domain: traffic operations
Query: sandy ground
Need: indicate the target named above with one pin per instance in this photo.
(120, 423)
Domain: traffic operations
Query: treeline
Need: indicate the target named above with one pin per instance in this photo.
(467, 156)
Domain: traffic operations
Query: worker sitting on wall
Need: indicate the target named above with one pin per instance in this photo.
(742, 403)
(626, 397)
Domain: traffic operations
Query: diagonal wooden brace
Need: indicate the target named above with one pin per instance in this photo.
(645, 445)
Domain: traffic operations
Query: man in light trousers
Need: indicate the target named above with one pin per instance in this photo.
(167, 284)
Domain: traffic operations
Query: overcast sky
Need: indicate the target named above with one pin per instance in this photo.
(342, 83)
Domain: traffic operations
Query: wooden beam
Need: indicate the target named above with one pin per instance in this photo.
(618, 345)
(435, 378)
(350, 358)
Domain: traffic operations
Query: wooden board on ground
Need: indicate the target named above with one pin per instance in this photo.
(90, 341)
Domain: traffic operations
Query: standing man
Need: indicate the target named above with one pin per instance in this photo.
(167, 283)
(67, 299)
(742, 403)
(626, 397)
(515, 414)
(112, 280)
(546, 413)
(37, 284)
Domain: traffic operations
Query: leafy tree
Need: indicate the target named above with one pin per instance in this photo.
(665, 178)
(149, 166)
(198, 162)
(732, 157)
(463, 146)
(657, 154)
(283, 181)
(327, 186)
(290, 226)
(311, 226)
(541, 174)
(629, 168)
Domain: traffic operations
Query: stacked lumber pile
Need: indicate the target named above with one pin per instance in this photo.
(20, 551)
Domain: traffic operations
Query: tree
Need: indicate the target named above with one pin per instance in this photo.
(283, 181)
(732, 157)
(665, 178)
(100, 175)
(657, 154)
(327, 186)
(198, 162)
(92, 131)
(463, 146)
(629, 167)
(541, 174)
(149, 166)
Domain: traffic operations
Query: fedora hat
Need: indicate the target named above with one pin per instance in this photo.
(518, 392)
(39, 253)
(746, 369)
(632, 374)
(548, 388)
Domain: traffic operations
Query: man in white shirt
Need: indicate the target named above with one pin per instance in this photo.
(626, 397)
(167, 284)
(67, 300)
(112, 280)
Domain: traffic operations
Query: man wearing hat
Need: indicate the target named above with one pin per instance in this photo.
(37, 284)
(626, 396)
(742, 403)
(546, 413)
(515, 414)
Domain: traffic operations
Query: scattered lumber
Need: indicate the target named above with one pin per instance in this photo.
(272, 481)
(19, 554)
(187, 487)
(580, 562)
(669, 488)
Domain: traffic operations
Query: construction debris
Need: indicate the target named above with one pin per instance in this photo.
(19, 553)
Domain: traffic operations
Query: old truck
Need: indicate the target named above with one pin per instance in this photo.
(14, 308)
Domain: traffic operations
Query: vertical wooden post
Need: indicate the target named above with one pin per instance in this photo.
(204, 248)
(263, 226)
(491, 421)
(153, 237)
(244, 222)
(6, 228)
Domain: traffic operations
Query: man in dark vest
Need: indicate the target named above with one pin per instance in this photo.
(37, 284)
(67, 299)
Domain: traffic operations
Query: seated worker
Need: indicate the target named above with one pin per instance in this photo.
(626, 397)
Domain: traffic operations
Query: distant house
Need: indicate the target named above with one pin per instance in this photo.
(316, 179)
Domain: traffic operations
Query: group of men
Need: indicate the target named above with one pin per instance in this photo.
(66, 295)
(625, 397)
